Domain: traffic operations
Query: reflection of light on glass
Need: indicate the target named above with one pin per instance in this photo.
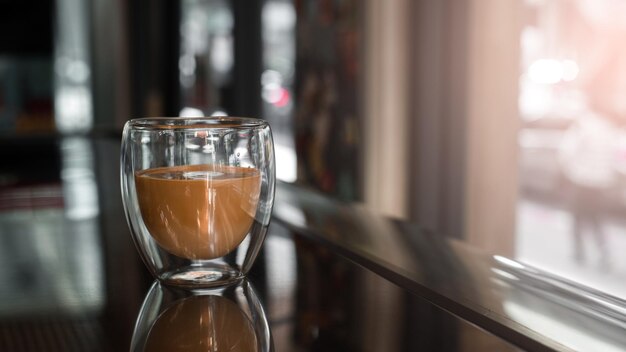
(508, 262)
(190, 112)
(570, 335)
(504, 274)
(219, 113)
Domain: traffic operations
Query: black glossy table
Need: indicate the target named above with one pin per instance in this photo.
(331, 277)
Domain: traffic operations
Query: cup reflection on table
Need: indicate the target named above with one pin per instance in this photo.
(228, 318)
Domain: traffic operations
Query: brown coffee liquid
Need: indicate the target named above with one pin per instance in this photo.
(202, 323)
(198, 211)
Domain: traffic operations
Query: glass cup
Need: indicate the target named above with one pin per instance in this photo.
(198, 195)
(227, 318)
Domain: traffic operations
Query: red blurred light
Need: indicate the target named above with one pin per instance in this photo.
(284, 98)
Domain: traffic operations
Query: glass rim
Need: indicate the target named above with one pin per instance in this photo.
(195, 123)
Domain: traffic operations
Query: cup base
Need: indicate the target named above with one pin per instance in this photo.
(198, 277)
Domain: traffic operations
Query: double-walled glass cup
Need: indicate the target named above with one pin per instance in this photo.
(198, 195)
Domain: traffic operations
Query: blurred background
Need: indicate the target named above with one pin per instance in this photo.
(500, 123)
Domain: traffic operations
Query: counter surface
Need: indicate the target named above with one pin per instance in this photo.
(330, 277)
